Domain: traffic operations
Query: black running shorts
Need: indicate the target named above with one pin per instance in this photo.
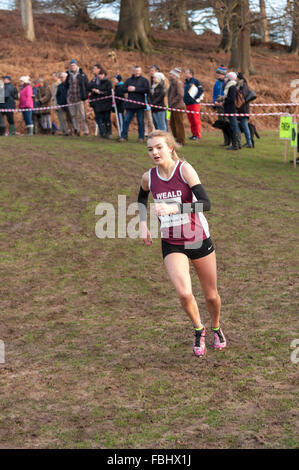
(206, 248)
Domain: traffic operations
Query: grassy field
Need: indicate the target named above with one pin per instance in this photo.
(98, 350)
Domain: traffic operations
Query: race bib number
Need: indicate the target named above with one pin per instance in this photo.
(172, 220)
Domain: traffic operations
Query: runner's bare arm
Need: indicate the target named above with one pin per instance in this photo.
(144, 181)
(142, 203)
(190, 175)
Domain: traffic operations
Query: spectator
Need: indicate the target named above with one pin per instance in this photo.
(157, 95)
(35, 115)
(100, 87)
(154, 69)
(120, 105)
(230, 92)
(137, 87)
(10, 95)
(175, 100)
(61, 98)
(2, 102)
(242, 85)
(218, 89)
(26, 101)
(77, 93)
(43, 97)
(193, 93)
(55, 84)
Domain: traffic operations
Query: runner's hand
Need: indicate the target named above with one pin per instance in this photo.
(166, 209)
(145, 234)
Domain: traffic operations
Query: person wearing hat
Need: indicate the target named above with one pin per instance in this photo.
(218, 92)
(229, 96)
(10, 94)
(77, 92)
(120, 105)
(26, 102)
(175, 100)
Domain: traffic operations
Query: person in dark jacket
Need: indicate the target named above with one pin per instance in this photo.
(10, 94)
(230, 93)
(100, 87)
(193, 93)
(77, 92)
(61, 98)
(137, 87)
(157, 97)
(120, 104)
(242, 85)
(218, 92)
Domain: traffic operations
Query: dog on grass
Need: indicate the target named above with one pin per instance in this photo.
(225, 127)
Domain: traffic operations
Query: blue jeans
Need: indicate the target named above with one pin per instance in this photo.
(127, 121)
(245, 127)
(233, 122)
(27, 116)
(159, 118)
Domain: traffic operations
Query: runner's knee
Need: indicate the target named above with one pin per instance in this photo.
(212, 297)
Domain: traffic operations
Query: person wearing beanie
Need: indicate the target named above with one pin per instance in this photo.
(218, 88)
(77, 92)
(26, 101)
(9, 94)
(193, 94)
(218, 92)
(229, 95)
(175, 100)
(120, 104)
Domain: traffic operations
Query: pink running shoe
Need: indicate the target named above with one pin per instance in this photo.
(219, 340)
(199, 345)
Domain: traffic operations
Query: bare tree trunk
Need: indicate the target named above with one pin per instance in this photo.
(133, 26)
(245, 48)
(264, 22)
(27, 20)
(177, 13)
(234, 24)
(241, 49)
(226, 41)
(223, 12)
(294, 47)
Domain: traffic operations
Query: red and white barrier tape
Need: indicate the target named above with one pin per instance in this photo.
(203, 112)
(260, 104)
(44, 108)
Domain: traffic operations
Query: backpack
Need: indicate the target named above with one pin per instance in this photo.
(240, 99)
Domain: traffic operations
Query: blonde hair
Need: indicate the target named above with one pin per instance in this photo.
(170, 141)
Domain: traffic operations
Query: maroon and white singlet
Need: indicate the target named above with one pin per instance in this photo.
(177, 229)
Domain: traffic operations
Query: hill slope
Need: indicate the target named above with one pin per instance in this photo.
(58, 41)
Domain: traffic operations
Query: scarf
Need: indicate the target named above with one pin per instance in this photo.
(227, 87)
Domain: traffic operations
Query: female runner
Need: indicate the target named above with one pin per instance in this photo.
(179, 200)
